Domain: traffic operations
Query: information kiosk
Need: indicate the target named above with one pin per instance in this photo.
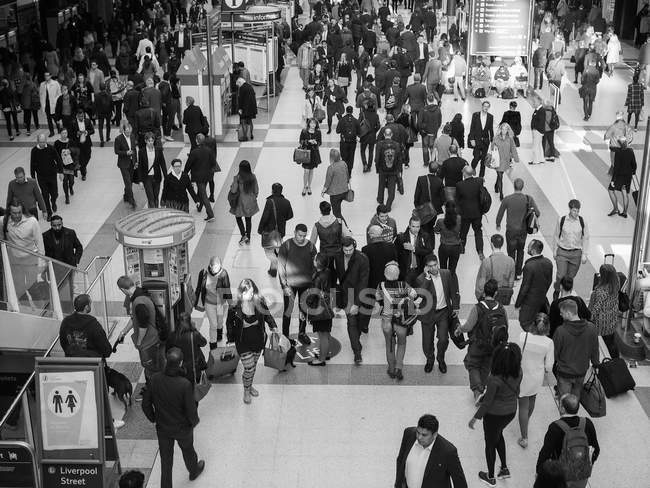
(156, 255)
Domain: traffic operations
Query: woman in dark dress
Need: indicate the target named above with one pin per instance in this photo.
(190, 341)
(310, 138)
(458, 130)
(344, 73)
(333, 99)
(512, 117)
(245, 326)
(623, 171)
(320, 312)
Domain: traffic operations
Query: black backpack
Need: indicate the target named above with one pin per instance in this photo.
(492, 326)
(485, 200)
(162, 326)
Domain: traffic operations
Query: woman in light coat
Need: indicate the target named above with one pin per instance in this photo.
(537, 357)
(312, 102)
(504, 142)
(613, 53)
(244, 184)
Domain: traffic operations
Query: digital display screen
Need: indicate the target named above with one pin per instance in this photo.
(500, 27)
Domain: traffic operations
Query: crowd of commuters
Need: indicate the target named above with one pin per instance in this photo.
(398, 276)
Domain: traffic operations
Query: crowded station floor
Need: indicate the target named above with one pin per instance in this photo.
(341, 426)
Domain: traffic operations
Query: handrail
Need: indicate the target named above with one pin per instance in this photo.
(42, 256)
(99, 273)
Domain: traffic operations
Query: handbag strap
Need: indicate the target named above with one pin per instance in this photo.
(524, 346)
(193, 360)
(275, 214)
(429, 188)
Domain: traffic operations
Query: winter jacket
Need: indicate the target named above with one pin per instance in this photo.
(576, 344)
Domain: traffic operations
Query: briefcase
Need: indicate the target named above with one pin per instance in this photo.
(615, 377)
(223, 361)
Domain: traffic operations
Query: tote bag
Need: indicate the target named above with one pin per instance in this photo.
(201, 385)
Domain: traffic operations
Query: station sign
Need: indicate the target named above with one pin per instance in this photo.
(58, 475)
(500, 27)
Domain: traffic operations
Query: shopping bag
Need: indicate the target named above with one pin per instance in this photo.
(592, 397)
(319, 114)
(241, 133)
(275, 355)
(202, 387)
(223, 361)
(301, 156)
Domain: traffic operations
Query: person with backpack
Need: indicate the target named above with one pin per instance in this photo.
(568, 440)
(498, 406)
(350, 130)
(487, 326)
(571, 243)
(537, 278)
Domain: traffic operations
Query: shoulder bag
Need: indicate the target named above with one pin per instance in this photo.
(532, 226)
(426, 212)
(272, 239)
(349, 196)
(504, 293)
(202, 385)
(233, 196)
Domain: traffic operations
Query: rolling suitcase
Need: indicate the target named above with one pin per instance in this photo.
(615, 377)
(223, 361)
(622, 279)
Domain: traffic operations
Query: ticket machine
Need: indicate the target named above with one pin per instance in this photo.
(156, 256)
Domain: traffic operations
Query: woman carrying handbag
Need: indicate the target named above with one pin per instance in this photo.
(190, 341)
(212, 296)
(343, 73)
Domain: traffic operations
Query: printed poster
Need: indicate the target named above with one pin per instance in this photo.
(68, 410)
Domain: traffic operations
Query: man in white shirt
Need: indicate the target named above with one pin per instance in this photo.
(49, 92)
(426, 459)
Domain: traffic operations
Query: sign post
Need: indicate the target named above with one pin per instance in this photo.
(75, 425)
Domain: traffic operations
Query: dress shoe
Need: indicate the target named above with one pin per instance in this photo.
(398, 374)
(54, 207)
(83, 177)
(442, 366)
(101, 144)
(211, 198)
(428, 367)
(357, 358)
(67, 200)
(200, 466)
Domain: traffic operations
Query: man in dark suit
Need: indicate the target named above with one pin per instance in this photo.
(131, 102)
(61, 243)
(127, 160)
(422, 56)
(481, 134)
(169, 402)
(432, 460)
(439, 292)
(412, 247)
(537, 279)
(80, 131)
(181, 40)
(352, 268)
(200, 167)
(409, 42)
(429, 188)
(379, 252)
(247, 106)
(468, 199)
(193, 121)
(416, 96)
(151, 169)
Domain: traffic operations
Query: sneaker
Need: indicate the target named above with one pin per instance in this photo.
(209, 219)
(481, 256)
(304, 339)
(219, 335)
(504, 472)
(623, 214)
(483, 476)
(29, 133)
(242, 241)
(256, 393)
(117, 423)
(247, 396)
(140, 395)
(523, 442)
(169, 138)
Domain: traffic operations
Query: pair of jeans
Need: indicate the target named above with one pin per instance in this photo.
(587, 105)
(428, 140)
(117, 111)
(166, 446)
(347, 154)
(354, 333)
(388, 181)
(68, 185)
(567, 263)
(629, 118)
(479, 153)
(50, 191)
(477, 226)
(216, 313)
(152, 190)
(247, 125)
(395, 339)
(538, 147)
(539, 78)
(449, 256)
(515, 244)
(569, 384)
(548, 144)
(493, 427)
(104, 119)
(367, 160)
(244, 224)
(9, 117)
(203, 198)
(439, 324)
(477, 364)
(127, 178)
(335, 201)
(289, 301)
(28, 115)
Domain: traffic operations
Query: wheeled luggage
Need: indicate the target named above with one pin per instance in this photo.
(615, 377)
(223, 361)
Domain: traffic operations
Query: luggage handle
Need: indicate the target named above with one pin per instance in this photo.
(611, 255)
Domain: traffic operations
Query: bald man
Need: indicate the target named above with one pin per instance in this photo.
(44, 165)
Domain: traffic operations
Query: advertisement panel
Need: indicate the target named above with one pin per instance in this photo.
(500, 27)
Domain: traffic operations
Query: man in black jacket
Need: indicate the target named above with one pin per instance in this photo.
(131, 102)
(412, 247)
(352, 270)
(80, 130)
(537, 279)
(350, 130)
(61, 243)
(151, 169)
(125, 148)
(468, 199)
(169, 403)
(44, 165)
(554, 438)
(429, 189)
(481, 134)
(200, 167)
(247, 107)
(81, 335)
(442, 465)
(428, 125)
(451, 172)
(147, 120)
(193, 121)
(277, 211)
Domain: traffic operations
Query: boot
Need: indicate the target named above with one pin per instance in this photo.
(247, 396)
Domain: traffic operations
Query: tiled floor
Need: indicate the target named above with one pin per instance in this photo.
(340, 426)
